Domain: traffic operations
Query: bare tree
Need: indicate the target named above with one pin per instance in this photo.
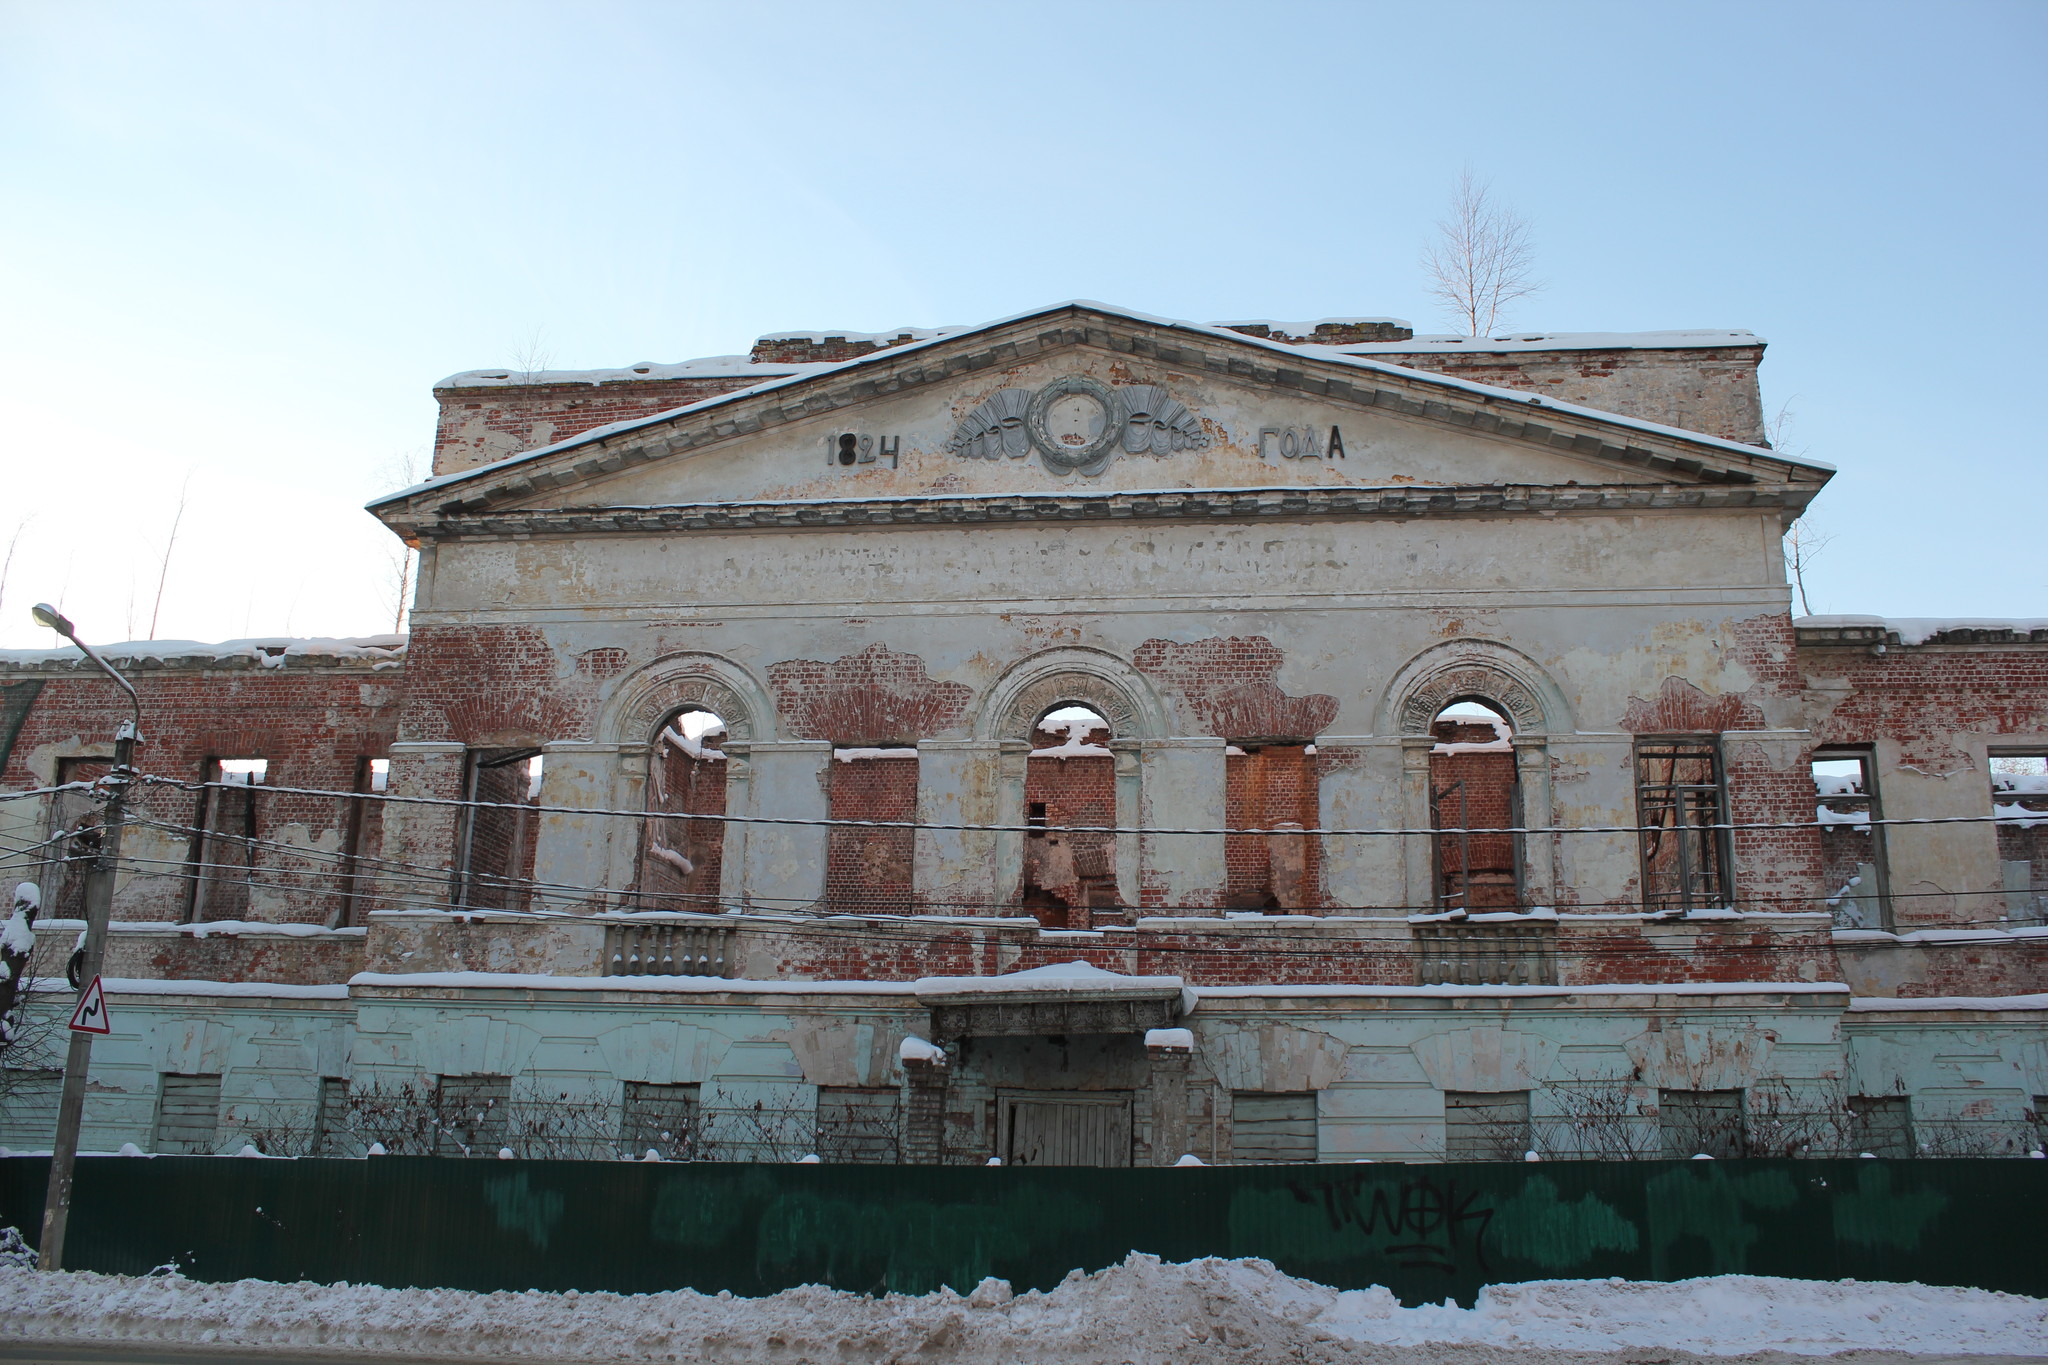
(1482, 259)
(530, 358)
(404, 469)
(170, 543)
(1803, 539)
(7, 563)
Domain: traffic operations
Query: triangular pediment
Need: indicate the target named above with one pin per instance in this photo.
(1087, 401)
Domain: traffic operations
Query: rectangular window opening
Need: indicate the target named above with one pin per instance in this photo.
(2019, 810)
(496, 835)
(660, 1118)
(1852, 843)
(1273, 1128)
(225, 858)
(187, 1114)
(858, 1124)
(1682, 809)
(1700, 1123)
(471, 1115)
(1486, 1127)
(1881, 1125)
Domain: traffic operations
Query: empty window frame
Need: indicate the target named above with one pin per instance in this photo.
(495, 837)
(1486, 1127)
(2019, 809)
(1852, 842)
(187, 1114)
(660, 1118)
(858, 1124)
(1700, 1123)
(681, 859)
(1682, 808)
(28, 1105)
(1881, 1125)
(362, 841)
(1069, 879)
(76, 813)
(1475, 804)
(471, 1114)
(224, 854)
(1268, 1128)
(870, 869)
(1270, 794)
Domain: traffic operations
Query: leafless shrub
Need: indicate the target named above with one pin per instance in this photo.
(1598, 1120)
(1482, 260)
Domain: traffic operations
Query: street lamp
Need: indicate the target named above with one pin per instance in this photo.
(99, 906)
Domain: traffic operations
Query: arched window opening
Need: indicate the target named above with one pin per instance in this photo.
(1475, 805)
(1070, 781)
(681, 857)
(1270, 786)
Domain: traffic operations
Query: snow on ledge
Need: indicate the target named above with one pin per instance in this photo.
(272, 990)
(1512, 992)
(1557, 341)
(1918, 630)
(1055, 978)
(269, 651)
(1874, 1004)
(680, 985)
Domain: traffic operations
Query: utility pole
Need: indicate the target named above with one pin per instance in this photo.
(99, 907)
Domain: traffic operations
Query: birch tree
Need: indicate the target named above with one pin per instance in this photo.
(1482, 260)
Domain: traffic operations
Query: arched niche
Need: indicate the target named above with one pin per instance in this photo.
(1473, 670)
(687, 682)
(1084, 677)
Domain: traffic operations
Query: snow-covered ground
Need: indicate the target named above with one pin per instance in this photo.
(1142, 1310)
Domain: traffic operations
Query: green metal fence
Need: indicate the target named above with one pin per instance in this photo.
(1425, 1231)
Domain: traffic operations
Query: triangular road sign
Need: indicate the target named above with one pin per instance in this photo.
(91, 1014)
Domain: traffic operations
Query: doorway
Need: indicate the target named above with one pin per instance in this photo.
(1067, 1129)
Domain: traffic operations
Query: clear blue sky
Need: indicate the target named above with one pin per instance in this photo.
(239, 242)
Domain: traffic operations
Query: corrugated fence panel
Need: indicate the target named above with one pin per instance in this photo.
(1425, 1231)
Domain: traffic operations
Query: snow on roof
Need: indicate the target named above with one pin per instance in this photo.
(1554, 341)
(1918, 630)
(1304, 329)
(1352, 356)
(706, 367)
(270, 651)
(893, 334)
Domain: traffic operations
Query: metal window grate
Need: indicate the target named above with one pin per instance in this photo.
(667, 950)
(187, 1114)
(1680, 801)
(1700, 1123)
(661, 1118)
(470, 1114)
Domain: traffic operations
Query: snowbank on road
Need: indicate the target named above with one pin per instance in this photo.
(1207, 1310)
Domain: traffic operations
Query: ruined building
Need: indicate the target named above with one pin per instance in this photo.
(1082, 738)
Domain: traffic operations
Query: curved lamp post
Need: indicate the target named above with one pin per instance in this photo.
(99, 905)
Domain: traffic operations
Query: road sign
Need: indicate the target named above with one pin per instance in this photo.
(91, 1014)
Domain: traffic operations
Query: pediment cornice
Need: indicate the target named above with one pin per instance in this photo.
(1363, 384)
(1396, 503)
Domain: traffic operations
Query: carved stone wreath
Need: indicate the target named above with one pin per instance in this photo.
(1140, 419)
(1524, 709)
(1083, 689)
(688, 691)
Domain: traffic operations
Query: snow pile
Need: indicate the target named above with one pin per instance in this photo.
(1207, 1310)
(1054, 978)
(1501, 743)
(854, 755)
(1076, 723)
